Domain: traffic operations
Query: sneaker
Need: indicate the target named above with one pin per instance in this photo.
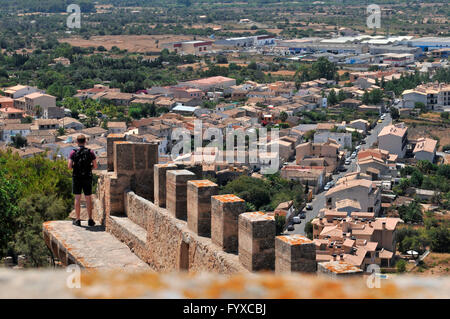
(91, 222)
(77, 222)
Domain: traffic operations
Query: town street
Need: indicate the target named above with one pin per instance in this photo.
(318, 201)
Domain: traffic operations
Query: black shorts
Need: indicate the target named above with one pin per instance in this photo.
(82, 184)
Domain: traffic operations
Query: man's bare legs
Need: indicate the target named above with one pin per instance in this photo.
(89, 205)
(78, 206)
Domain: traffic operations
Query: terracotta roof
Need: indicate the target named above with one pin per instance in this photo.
(425, 145)
(393, 130)
(349, 184)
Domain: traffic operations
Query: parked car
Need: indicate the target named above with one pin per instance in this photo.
(302, 215)
(329, 185)
(290, 227)
(348, 161)
(342, 168)
(296, 220)
(309, 207)
(353, 155)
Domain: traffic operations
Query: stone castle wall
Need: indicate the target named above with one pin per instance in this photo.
(172, 220)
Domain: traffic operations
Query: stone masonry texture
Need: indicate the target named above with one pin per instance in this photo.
(176, 194)
(225, 210)
(160, 182)
(257, 241)
(295, 253)
(199, 193)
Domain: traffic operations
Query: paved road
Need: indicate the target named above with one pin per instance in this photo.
(318, 201)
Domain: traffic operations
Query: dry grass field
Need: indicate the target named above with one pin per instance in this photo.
(132, 43)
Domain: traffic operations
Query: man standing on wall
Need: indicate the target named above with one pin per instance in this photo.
(82, 161)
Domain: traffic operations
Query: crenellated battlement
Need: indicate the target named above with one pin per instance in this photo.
(172, 220)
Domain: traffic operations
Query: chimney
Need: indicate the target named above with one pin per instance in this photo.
(334, 257)
(383, 225)
(341, 256)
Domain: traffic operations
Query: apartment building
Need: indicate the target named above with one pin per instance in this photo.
(434, 95)
(425, 149)
(318, 154)
(375, 167)
(18, 91)
(38, 102)
(394, 138)
(362, 191)
(343, 139)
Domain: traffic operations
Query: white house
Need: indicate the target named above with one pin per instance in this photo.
(10, 130)
(425, 149)
(343, 139)
(394, 138)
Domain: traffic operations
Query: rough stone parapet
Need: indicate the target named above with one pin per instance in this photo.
(257, 232)
(160, 182)
(176, 192)
(225, 211)
(172, 246)
(110, 139)
(199, 193)
(295, 253)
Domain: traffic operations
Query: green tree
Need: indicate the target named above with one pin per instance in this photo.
(376, 96)
(401, 266)
(332, 98)
(32, 191)
(309, 229)
(341, 96)
(323, 68)
(411, 213)
(280, 222)
(19, 141)
(366, 97)
(421, 106)
(416, 179)
(283, 116)
(395, 114)
(61, 131)
(440, 239)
